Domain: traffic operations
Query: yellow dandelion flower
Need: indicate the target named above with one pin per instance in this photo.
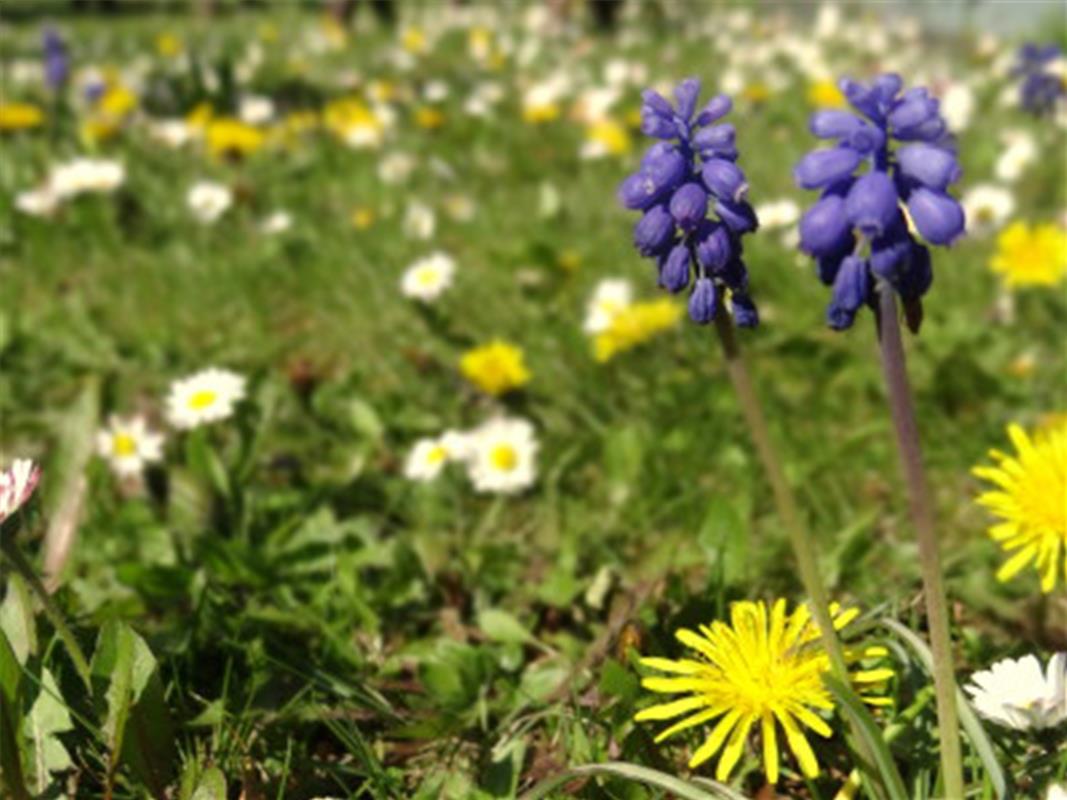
(825, 94)
(756, 92)
(569, 261)
(634, 325)
(1031, 256)
(117, 101)
(496, 368)
(1031, 500)
(762, 668)
(19, 116)
(168, 45)
(429, 118)
(362, 218)
(414, 40)
(231, 138)
(199, 117)
(610, 137)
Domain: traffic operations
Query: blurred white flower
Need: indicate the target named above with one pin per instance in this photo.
(208, 200)
(957, 106)
(17, 483)
(83, 175)
(610, 296)
(459, 207)
(128, 444)
(1020, 151)
(1057, 791)
(278, 222)
(435, 91)
(173, 133)
(502, 456)
(39, 202)
(986, 207)
(430, 455)
(778, 213)
(428, 277)
(206, 396)
(255, 109)
(1015, 693)
(419, 221)
(396, 168)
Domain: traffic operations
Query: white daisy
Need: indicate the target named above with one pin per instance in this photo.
(278, 222)
(128, 444)
(204, 397)
(1020, 152)
(957, 106)
(39, 202)
(17, 483)
(255, 109)
(85, 175)
(419, 221)
(1057, 791)
(986, 207)
(610, 296)
(428, 277)
(396, 168)
(173, 133)
(778, 213)
(429, 455)
(208, 200)
(502, 456)
(1014, 692)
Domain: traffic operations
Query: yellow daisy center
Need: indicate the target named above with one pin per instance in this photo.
(503, 457)
(202, 399)
(426, 277)
(122, 444)
(436, 454)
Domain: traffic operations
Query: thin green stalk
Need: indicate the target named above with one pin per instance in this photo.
(902, 410)
(784, 499)
(23, 567)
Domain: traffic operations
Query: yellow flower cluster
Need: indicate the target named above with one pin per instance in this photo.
(19, 116)
(496, 368)
(1031, 255)
(825, 94)
(634, 325)
(230, 138)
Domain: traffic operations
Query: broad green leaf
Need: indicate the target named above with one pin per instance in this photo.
(17, 619)
(501, 626)
(211, 785)
(47, 717)
(11, 777)
(864, 727)
(638, 774)
(976, 734)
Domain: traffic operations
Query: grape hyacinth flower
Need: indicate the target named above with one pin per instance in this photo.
(56, 60)
(1041, 89)
(693, 170)
(858, 231)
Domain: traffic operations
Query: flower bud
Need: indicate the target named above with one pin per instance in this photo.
(715, 139)
(910, 112)
(851, 288)
(689, 206)
(702, 301)
(724, 179)
(674, 269)
(745, 313)
(686, 93)
(654, 231)
(717, 108)
(739, 217)
(833, 124)
(938, 217)
(714, 248)
(865, 139)
(824, 228)
(932, 166)
(871, 203)
(822, 167)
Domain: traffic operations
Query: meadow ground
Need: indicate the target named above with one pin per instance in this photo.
(297, 614)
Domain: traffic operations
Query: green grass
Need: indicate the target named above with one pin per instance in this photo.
(326, 627)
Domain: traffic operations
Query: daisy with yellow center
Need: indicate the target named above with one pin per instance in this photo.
(430, 455)
(496, 368)
(763, 668)
(205, 397)
(501, 456)
(1031, 255)
(128, 444)
(1031, 500)
(427, 278)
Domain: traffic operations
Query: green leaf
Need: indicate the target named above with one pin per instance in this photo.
(11, 777)
(864, 727)
(47, 717)
(500, 626)
(211, 785)
(17, 619)
(976, 734)
(637, 774)
(205, 462)
(724, 536)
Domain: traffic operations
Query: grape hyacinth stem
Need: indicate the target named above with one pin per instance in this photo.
(784, 499)
(903, 412)
(23, 568)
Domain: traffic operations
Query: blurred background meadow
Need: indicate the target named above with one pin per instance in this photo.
(465, 460)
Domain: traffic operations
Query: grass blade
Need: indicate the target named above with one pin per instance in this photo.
(633, 772)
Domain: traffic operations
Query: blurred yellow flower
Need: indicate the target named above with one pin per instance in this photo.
(117, 101)
(569, 260)
(1031, 500)
(607, 137)
(429, 118)
(496, 368)
(268, 32)
(413, 40)
(756, 92)
(825, 94)
(1031, 255)
(762, 668)
(536, 113)
(20, 116)
(231, 138)
(634, 325)
(168, 45)
(200, 116)
(353, 122)
(362, 218)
